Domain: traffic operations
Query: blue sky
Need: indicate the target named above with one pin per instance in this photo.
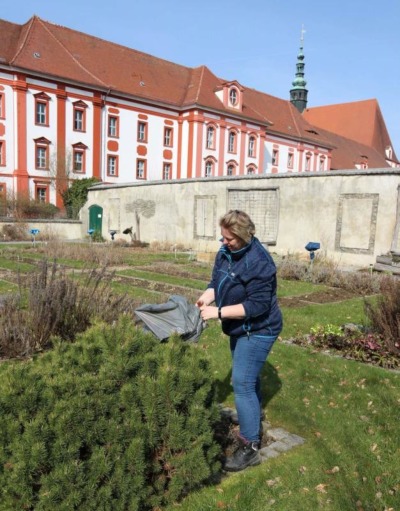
(351, 47)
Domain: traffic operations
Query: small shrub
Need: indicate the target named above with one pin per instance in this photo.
(324, 271)
(384, 314)
(355, 343)
(116, 421)
(36, 209)
(291, 268)
(51, 303)
(15, 232)
(97, 237)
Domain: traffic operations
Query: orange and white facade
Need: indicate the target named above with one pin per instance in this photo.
(74, 106)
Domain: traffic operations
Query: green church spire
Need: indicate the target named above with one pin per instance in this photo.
(298, 94)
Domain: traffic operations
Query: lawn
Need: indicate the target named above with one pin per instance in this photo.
(349, 415)
(347, 412)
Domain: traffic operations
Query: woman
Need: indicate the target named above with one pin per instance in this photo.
(243, 287)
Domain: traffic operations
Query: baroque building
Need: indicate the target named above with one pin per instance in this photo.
(73, 105)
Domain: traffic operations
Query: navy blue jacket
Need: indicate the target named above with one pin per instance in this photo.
(247, 276)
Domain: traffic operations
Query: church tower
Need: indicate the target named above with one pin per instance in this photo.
(298, 94)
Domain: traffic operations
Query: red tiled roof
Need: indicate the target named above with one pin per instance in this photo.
(10, 34)
(348, 153)
(360, 120)
(75, 56)
(284, 117)
(43, 48)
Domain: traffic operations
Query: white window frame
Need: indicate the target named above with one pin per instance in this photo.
(41, 114)
(167, 174)
(233, 96)
(208, 169)
(113, 126)
(142, 131)
(210, 137)
(252, 146)
(112, 165)
(168, 136)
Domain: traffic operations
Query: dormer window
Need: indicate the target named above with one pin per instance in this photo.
(233, 96)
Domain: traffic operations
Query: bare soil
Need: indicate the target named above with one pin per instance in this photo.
(333, 294)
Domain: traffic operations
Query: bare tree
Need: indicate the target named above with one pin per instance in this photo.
(61, 170)
(141, 207)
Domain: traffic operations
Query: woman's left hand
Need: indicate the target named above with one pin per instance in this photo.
(208, 312)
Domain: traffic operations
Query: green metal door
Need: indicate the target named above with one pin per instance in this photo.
(96, 218)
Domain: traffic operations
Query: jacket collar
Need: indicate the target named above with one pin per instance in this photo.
(236, 255)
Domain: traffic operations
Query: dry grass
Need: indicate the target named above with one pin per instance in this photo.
(99, 254)
(325, 271)
(51, 303)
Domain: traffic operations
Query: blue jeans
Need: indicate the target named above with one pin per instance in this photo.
(249, 354)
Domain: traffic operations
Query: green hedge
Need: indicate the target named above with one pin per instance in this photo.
(115, 421)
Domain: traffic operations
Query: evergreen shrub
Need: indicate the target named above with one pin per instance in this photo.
(115, 421)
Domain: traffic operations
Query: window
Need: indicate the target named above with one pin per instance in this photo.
(2, 153)
(141, 170)
(233, 96)
(112, 165)
(210, 137)
(41, 113)
(41, 158)
(42, 102)
(41, 193)
(142, 131)
(275, 157)
(78, 161)
(251, 170)
(168, 137)
(2, 107)
(232, 142)
(209, 169)
(167, 171)
(79, 116)
(308, 161)
(3, 201)
(230, 171)
(322, 163)
(78, 120)
(290, 160)
(79, 157)
(252, 146)
(42, 153)
(113, 127)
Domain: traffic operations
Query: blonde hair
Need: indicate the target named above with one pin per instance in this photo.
(238, 223)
